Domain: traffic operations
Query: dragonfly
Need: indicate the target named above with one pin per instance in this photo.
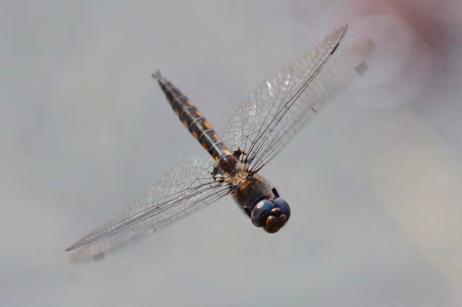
(260, 128)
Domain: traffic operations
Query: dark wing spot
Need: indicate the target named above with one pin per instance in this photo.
(335, 48)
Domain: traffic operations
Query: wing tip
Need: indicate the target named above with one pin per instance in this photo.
(71, 248)
(342, 30)
(76, 245)
(338, 35)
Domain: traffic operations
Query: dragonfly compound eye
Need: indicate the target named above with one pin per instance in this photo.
(260, 212)
(278, 216)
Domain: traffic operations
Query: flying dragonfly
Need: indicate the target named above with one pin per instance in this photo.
(261, 127)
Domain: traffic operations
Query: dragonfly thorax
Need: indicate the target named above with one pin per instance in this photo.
(260, 202)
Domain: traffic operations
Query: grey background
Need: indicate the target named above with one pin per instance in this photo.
(374, 181)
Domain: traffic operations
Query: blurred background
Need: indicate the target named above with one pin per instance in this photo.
(374, 181)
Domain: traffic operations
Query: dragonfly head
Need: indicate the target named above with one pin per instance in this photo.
(270, 214)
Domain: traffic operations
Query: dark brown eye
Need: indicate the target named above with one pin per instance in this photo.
(274, 223)
(279, 215)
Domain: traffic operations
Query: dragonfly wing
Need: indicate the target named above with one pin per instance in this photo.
(282, 104)
(187, 188)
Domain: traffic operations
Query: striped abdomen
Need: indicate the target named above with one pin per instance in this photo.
(193, 120)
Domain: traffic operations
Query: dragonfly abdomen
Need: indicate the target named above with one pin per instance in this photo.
(193, 120)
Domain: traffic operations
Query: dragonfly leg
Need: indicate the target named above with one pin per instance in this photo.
(241, 155)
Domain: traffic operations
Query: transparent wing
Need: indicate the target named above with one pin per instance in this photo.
(185, 189)
(282, 104)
